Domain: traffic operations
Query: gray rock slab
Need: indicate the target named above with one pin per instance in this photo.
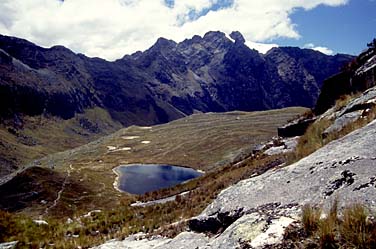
(133, 242)
(186, 240)
(288, 145)
(367, 99)
(344, 120)
(257, 229)
(344, 168)
(8, 245)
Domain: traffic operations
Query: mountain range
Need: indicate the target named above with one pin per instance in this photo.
(213, 73)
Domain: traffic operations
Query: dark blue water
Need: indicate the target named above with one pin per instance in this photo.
(141, 178)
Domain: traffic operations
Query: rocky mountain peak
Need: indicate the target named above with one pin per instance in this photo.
(160, 46)
(62, 49)
(164, 43)
(214, 35)
(238, 37)
(216, 40)
(196, 39)
(274, 50)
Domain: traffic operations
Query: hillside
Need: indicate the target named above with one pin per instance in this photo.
(79, 99)
(77, 197)
(39, 136)
(202, 141)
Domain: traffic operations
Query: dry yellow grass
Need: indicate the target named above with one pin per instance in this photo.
(352, 229)
(200, 141)
(41, 136)
(314, 139)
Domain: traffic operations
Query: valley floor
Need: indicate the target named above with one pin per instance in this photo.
(82, 179)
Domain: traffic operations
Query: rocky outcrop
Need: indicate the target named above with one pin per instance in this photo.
(284, 146)
(357, 109)
(358, 76)
(342, 121)
(366, 100)
(332, 89)
(296, 127)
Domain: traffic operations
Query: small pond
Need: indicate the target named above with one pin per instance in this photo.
(141, 178)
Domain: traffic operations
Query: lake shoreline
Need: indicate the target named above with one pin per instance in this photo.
(116, 182)
(185, 174)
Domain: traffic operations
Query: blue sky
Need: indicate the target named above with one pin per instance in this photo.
(343, 29)
(112, 28)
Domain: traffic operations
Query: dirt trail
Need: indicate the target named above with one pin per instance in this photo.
(60, 191)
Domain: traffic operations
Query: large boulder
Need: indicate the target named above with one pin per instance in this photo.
(295, 128)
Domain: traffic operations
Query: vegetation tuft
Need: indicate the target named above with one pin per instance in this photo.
(311, 140)
(314, 138)
(358, 227)
(310, 218)
(355, 228)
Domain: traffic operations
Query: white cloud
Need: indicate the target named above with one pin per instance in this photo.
(261, 47)
(323, 50)
(112, 28)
